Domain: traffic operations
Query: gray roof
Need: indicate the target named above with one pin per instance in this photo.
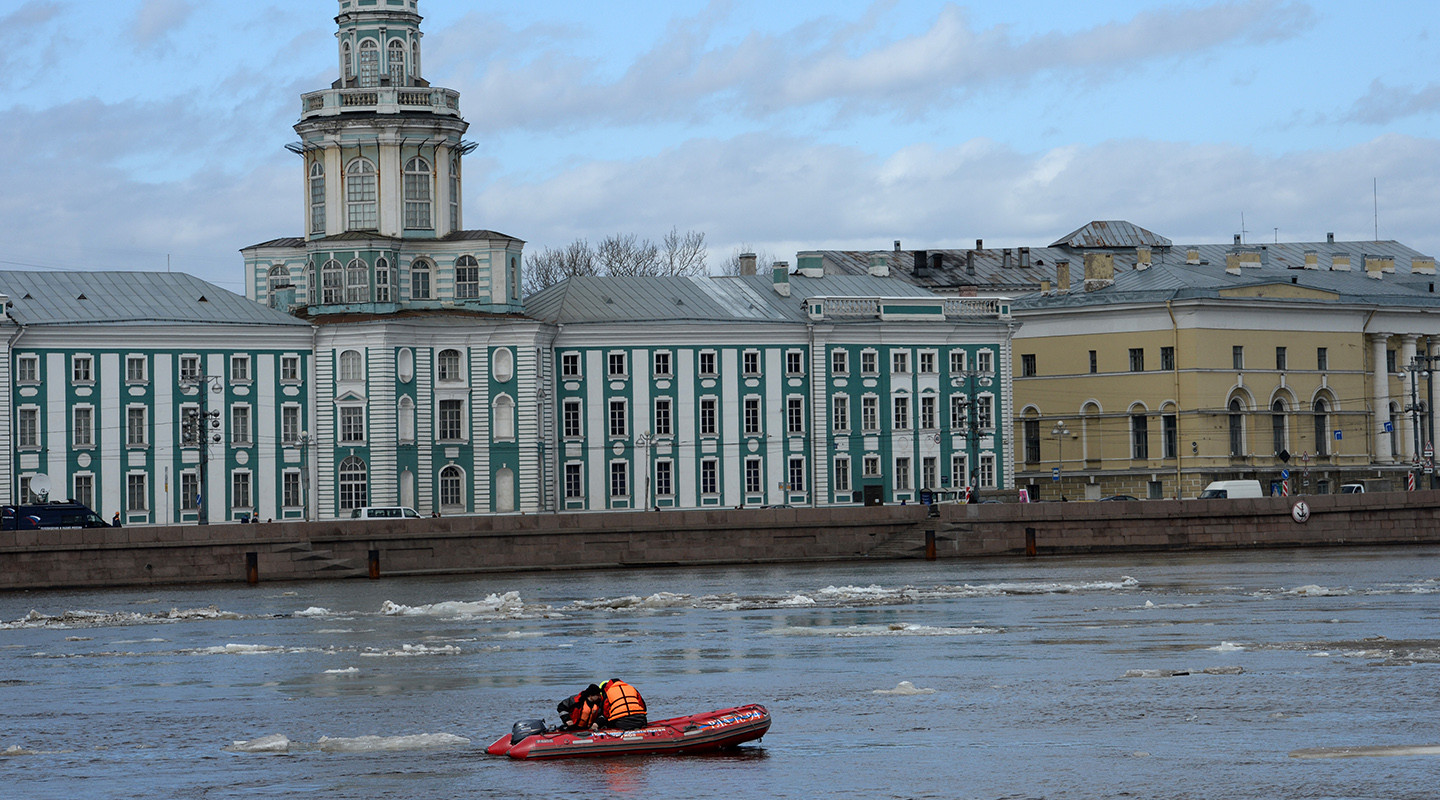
(70, 298)
(358, 236)
(749, 298)
(1110, 233)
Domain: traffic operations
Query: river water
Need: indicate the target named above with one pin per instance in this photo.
(1275, 674)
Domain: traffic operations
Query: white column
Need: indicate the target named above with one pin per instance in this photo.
(1403, 361)
(1380, 402)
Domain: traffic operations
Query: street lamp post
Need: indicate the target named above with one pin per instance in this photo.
(1060, 432)
(203, 429)
(305, 474)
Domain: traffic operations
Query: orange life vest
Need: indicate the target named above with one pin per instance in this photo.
(621, 699)
(583, 712)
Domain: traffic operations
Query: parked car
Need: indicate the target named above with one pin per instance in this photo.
(50, 515)
(1352, 488)
(1232, 490)
(384, 512)
(1120, 497)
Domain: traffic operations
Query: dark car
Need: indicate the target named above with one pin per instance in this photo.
(49, 515)
(1118, 497)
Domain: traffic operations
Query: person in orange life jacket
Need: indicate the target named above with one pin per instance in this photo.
(621, 706)
(581, 712)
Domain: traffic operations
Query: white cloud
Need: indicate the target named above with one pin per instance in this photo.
(156, 19)
(1384, 104)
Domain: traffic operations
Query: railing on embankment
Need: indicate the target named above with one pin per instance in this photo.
(375, 548)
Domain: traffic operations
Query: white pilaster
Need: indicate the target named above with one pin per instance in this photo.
(1380, 401)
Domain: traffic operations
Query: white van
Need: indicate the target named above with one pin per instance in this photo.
(1353, 488)
(1231, 489)
(384, 512)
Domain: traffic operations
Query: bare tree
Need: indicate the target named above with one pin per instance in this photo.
(618, 254)
(627, 254)
(763, 261)
(550, 266)
(683, 254)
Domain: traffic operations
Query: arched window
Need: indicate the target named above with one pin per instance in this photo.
(277, 277)
(452, 487)
(332, 282)
(351, 366)
(448, 365)
(503, 365)
(369, 63)
(454, 194)
(420, 279)
(1139, 434)
(382, 280)
(1322, 429)
(360, 195)
(1277, 425)
(417, 194)
(467, 278)
(395, 55)
(317, 197)
(347, 65)
(415, 58)
(504, 425)
(407, 420)
(1237, 428)
(357, 282)
(312, 288)
(354, 484)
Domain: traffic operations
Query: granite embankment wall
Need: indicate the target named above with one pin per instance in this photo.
(341, 549)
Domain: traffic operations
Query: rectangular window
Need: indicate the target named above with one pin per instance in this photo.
(1139, 437)
(240, 424)
(569, 365)
(619, 420)
(615, 365)
(795, 415)
(840, 414)
(1137, 359)
(959, 421)
(574, 480)
(960, 471)
(467, 278)
(957, 362)
(290, 369)
(137, 498)
(135, 427)
(28, 428)
(1322, 359)
(1280, 359)
(927, 412)
(900, 361)
(987, 470)
(1390, 362)
(708, 416)
(927, 362)
(902, 473)
(290, 424)
(135, 369)
(449, 424)
(929, 473)
(870, 413)
(902, 413)
(290, 489)
(839, 362)
(619, 479)
(239, 369)
(1237, 357)
(749, 362)
(570, 418)
(81, 370)
(82, 431)
(709, 476)
(189, 368)
(84, 490)
(662, 364)
(662, 416)
(664, 478)
(1032, 441)
(985, 412)
(753, 481)
(797, 474)
(985, 361)
(794, 362)
(752, 416)
(871, 466)
(707, 363)
(27, 369)
(1027, 365)
(869, 362)
(1170, 433)
(842, 474)
(240, 490)
(352, 424)
(189, 490)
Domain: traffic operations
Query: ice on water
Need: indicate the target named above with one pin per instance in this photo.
(280, 743)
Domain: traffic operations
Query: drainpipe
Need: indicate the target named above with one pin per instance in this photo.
(814, 412)
(554, 436)
(1175, 372)
(14, 454)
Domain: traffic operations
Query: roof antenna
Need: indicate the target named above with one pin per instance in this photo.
(1375, 193)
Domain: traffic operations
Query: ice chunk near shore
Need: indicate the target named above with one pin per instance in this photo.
(274, 743)
(1227, 647)
(904, 689)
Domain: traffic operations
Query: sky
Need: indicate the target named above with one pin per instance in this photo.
(150, 134)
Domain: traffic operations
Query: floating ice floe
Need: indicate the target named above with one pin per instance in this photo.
(508, 604)
(80, 618)
(279, 743)
(1368, 752)
(904, 688)
(1226, 647)
(274, 743)
(314, 611)
(1176, 673)
(414, 650)
(345, 671)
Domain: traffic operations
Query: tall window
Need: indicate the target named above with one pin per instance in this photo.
(571, 419)
(929, 477)
(454, 194)
(1322, 428)
(797, 474)
(1277, 425)
(842, 474)
(290, 496)
(84, 493)
(450, 424)
(28, 428)
(82, 432)
(574, 480)
(870, 413)
(1170, 434)
(332, 282)
(902, 473)
(382, 280)
(369, 64)
(959, 409)
(1322, 359)
(1094, 362)
(708, 415)
(137, 498)
(985, 412)
(619, 421)
(360, 197)
(351, 368)
(1139, 436)
(240, 425)
(619, 479)
(839, 362)
(190, 490)
(840, 413)
(347, 66)
(1137, 359)
(417, 194)
(927, 411)
(752, 416)
(81, 370)
(709, 476)
(753, 480)
(357, 281)
(1237, 428)
(352, 424)
(1280, 359)
(448, 365)
(1237, 357)
(662, 416)
(902, 413)
(1032, 441)
(504, 414)
(420, 279)
(395, 60)
(452, 487)
(289, 424)
(135, 427)
(467, 278)
(664, 478)
(354, 484)
(795, 415)
(1167, 359)
(317, 196)
(987, 470)
(240, 490)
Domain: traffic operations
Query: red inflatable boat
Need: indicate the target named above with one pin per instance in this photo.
(693, 734)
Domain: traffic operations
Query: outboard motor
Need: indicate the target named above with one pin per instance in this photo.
(524, 728)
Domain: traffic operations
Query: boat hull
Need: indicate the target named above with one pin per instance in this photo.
(696, 733)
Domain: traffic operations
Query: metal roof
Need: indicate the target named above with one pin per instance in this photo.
(748, 298)
(70, 298)
(1110, 233)
(365, 236)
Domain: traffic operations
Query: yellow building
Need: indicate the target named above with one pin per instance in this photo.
(1151, 369)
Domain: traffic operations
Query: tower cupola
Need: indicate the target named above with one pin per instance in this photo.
(379, 44)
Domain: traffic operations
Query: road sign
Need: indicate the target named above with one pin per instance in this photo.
(1429, 450)
(1055, 474)
(1284, 474)
(1338, 436)
(1389, 427)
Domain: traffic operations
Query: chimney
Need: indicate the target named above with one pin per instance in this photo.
(1062, 275)
(897, 245)
(1044, 286)
(1192, 256)
(1025, 258)
(1099, 270)
(1142, 257)
(1005, 258)
(1312, 259)
(969, 262)
(1232, 263)
(922, 262)
(979, 244)
(879, 265)
(1237, 240)
(747, 263)
(1340, 262)
(1423, 265)
(811, 265)
(937, 263)
(1330, 238)
(1376, 265)
(780, 277)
